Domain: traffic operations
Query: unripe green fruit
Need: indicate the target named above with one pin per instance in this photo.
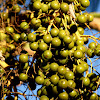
(31, 37)
(86, 81)
(39, 80)
(36, 5)
(78, 54)
(64, 7)
(63, 96)
(44, 8)
(43, 97)
(9, 29)
(69, 75)
(34, 46)
(61, 70)
(16, 8)
(56, 42)
(47, 54)
(54, 79)
(80, 69)
(54, 67)
(23, 58)
(85, 3)
(23, 77)
(16, 37)
(55, 5)
(24, 25)
(62, 83)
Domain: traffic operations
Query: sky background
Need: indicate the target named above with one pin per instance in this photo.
(94, 7)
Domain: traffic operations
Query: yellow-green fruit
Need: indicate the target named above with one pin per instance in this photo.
(2, 35)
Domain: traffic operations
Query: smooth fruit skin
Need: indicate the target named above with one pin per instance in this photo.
(91, 17)
(54, 32)
(54, 66)
(82, 48)
(47, 54)
(43, 97)
(71, 84)
(58, 20)
(34, 46)
(80, 69)
(86, 81)
(85, 65)
(98, 45)
(92, 45)
(73, 93)
(62, 83)
(36, 22)
(69, 75)
(90, 53)
(47, 38)
(36, 5)
(23, 76)
(85, 3)
(23, 58)
(16, 37)
(79, 42)
(54, 79)
(71, 52)
(81, 19)
(24, 25)
(40, 73)
(81, 30)
(67, 39)
(23, 37)
(63, 96)
(71, 45)
(78, 54)
(61, 70)
(64, 53)
(56, 42)
(55, 5)
(39, 80)
(44, 8)
(86, 15)
(31, 37)
(74, 38)
(93, 97)
(9, 29)
(61, 34)
(43, 46)
(64, 7)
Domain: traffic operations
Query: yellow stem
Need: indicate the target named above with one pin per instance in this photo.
(91, 63)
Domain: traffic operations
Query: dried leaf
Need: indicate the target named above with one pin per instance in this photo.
(95, 24)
